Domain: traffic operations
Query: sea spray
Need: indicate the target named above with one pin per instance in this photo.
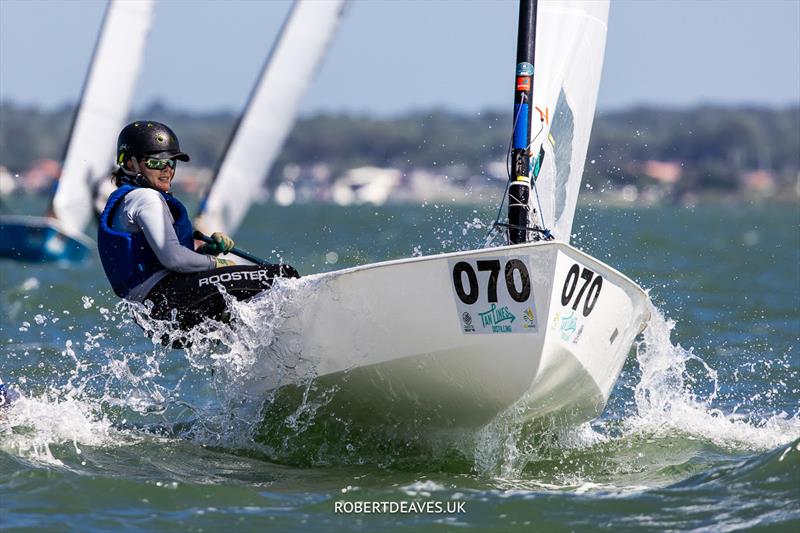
(673, 396)
(216, 391)
(248, 358)
(673, 401)
(673, 392)
(35, 424)
(676, 392)
(94, 387)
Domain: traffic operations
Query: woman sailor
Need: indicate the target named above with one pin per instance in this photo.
(145, 237)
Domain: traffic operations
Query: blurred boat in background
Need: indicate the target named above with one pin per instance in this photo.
(89, 154)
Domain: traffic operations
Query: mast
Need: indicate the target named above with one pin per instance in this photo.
(520, 187)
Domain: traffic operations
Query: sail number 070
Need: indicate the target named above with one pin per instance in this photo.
(469, 294)
(590, 281)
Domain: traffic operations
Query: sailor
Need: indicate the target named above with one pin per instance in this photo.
(145, 237)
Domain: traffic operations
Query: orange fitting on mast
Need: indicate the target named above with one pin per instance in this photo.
(544, 116)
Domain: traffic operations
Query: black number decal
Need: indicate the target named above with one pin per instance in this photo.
(569, 288)
(586, 276)
(518, 266)
(458, 269)
(591, 296)
(591, 281)
(469, 292)
(492, 266)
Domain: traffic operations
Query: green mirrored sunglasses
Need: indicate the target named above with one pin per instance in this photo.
(159, 164)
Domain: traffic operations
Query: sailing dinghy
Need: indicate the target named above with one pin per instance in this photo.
(103, 109)
(269, 114)
(453, 340)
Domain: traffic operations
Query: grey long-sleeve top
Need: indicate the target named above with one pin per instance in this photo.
(146, 210)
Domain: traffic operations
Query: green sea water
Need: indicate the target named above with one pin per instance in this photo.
(702, 431)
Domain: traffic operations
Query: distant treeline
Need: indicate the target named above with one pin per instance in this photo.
(714, 145)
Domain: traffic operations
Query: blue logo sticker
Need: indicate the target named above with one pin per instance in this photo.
(568, 326)
(524, 69)
(495, 317)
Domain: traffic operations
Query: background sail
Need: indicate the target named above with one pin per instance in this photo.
(270, 114)
(103, 109)
(570, 43)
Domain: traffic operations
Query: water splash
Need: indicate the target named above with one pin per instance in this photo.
(676, 392)
(35, 424)
(213, 392)
(673, 404)
(96, 390)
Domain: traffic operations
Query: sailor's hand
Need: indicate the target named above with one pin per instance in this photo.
(288, 271)
(222, 244)
(220, 262)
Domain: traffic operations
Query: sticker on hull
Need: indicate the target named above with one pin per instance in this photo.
(579, 296)
(493, 295)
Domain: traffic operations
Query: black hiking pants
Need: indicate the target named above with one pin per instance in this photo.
(195, 297)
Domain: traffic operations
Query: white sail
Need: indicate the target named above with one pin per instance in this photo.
(103, 109)
(270, 114)
(570, 43)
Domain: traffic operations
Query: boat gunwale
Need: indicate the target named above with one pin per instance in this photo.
(32, 221)
(561, 245)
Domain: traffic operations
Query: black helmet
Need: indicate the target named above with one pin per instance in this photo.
(148, 138)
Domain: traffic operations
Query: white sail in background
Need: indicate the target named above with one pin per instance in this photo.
(103, 109)
(270, 114)
(570, 43)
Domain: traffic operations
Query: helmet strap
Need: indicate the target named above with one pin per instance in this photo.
(136, 167)
(134, 177)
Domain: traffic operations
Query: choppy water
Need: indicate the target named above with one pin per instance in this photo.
(701, 432)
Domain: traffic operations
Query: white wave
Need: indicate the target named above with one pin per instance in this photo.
(675, 394)
(32, 425)
(666, 398)
(422, 488)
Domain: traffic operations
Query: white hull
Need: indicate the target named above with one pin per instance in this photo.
(394, 338)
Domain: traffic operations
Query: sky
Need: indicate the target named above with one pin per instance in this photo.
(394, 56)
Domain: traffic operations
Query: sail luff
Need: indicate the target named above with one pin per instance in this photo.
(569, 61)
(270, 114)
(103, 109)
(201, 208)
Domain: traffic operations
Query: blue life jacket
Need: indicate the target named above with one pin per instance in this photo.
(127, 258)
